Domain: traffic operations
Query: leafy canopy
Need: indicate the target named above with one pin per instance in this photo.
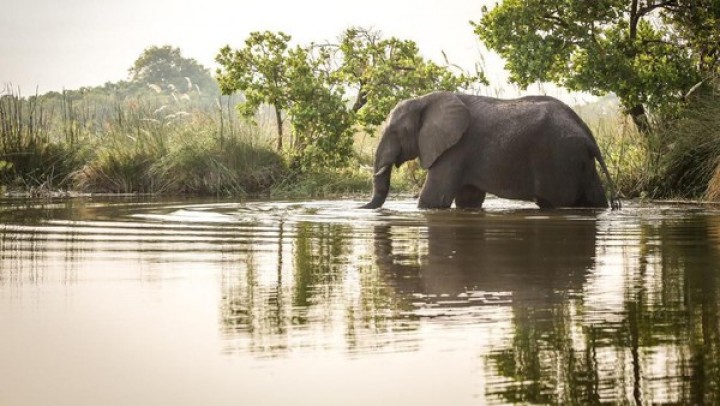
(268, 71)
(384, 71)
(328, 90)
(648, 52)
(259, 70)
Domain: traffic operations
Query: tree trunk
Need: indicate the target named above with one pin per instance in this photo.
(360, 101)
(278, 118)
(637, 113)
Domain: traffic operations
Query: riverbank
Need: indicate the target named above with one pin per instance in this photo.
(51, 147)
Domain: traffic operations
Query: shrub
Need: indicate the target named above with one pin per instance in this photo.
(205, 166)
(118, 169)
(689, 148)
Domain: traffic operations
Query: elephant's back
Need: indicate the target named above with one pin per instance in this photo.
(517, 142)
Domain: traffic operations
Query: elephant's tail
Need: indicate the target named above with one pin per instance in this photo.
(615, 203)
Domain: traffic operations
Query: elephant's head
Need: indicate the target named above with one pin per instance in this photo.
(422, 127)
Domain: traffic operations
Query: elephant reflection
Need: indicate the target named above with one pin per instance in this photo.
(508, 253)
(536, 261)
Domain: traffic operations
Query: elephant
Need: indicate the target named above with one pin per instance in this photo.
(534, 148)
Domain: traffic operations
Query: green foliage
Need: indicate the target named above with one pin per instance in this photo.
(688, 151)
(324, 182)
(268, 71)
(202, 165)
(260, 71)
(321, 123)
(648, 53)
(384, 71)
(696, 23)
(310, 86)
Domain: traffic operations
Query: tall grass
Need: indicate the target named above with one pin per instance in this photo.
(690, 149)
(172, 152)
(105, 143)
(677, 159)
(29, 154)
(329, 182)
(626, 152)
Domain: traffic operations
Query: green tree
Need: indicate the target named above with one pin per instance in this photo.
(384, 71)
(650, 53)
(260, 71)
(293, 82)
(321, 122)
(310, 85)
(166, 68)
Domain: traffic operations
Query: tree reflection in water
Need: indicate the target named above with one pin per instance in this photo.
(312, 291)
(602, 309)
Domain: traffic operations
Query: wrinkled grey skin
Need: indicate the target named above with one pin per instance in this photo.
(534, 148)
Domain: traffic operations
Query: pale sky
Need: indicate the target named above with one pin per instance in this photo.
(56, 44)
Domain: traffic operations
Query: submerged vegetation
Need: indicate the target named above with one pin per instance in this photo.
(300, 120)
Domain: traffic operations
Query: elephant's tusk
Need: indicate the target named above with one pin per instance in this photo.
(382, 170)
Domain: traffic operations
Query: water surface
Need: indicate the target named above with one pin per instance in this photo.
(128, 302)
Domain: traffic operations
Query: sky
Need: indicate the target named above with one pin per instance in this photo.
(50, 44)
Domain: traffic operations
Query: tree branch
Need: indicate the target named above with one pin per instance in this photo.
(650, 7)
(553, 18)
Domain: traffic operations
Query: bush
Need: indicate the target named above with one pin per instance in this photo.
(690, 161)
(231, 168)
(688, 151)
(40, 164)
(118, 169)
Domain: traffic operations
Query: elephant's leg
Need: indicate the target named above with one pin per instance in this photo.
(593, 193)
(440, 189)
(543, 203)
(469, 197)
(545, 193)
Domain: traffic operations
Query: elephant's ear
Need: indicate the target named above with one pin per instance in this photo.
(444, 121)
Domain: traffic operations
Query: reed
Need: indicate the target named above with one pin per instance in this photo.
(98, 142)
(677, 159)
(691, 150)
(151, 149)
(30, 155)
(626, 152)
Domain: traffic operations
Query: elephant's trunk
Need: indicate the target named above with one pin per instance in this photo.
(381, 188)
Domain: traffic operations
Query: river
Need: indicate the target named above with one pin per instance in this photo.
(189, 302)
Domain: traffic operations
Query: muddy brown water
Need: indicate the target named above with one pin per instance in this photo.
(130, 302)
